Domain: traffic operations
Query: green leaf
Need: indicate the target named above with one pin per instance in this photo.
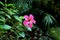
(8, 16)
(19, 34)
(22, 34)
(21, 28)
(10, 5)
(1, 27)
(28, 28)
(9, 11)
(17, 18)
(2, 19)
(1, 12)
(1, 3)
(21, 17)
(6, 27)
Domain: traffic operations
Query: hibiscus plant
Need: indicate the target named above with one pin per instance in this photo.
(11, 24)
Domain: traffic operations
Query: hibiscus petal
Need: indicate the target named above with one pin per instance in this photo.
(31, 16)
(34, 21)
(25, 22)
(26, 17)
(30, 25)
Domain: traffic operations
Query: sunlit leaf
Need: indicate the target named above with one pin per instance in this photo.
(10, 5)
(17, 18)
(9, 11)
(1, 3)
(28, 28)
(22, 34)
(8, 16)
(6, 27)
(21, 17)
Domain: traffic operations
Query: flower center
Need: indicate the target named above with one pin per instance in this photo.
(28, 19)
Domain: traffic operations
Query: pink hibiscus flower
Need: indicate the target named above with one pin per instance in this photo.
(29, 20)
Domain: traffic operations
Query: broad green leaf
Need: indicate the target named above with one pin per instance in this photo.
(6, 27)
(21, 17)
(28, 28)
(21, 28)
(22, 34)
(8, 16)
(17, 18)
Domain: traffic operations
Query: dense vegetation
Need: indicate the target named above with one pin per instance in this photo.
(46, 13)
